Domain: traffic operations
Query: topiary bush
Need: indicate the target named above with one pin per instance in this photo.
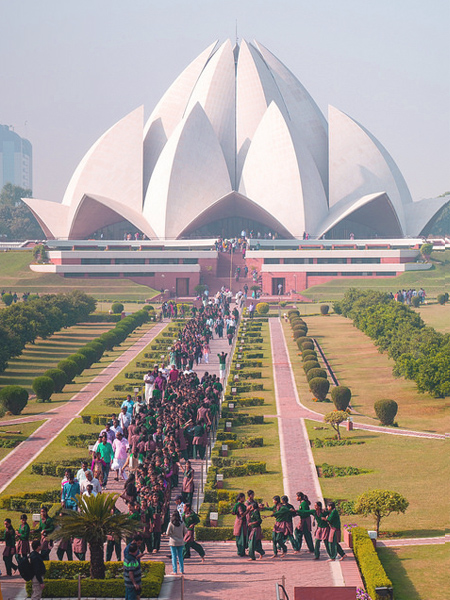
(298, 333)
(324, 309)
(319, 387)
(43, 387)
(341, 396)
(262, 308)
(117, 308)
(7, 299)
(59, 378)
(307, 345)
(293, 313)
(97, 347)
(69, 367)
(109, 339)
(303, 340)
(415, 301)
(386, 410)
(442, 299)
(90, 354)
(13, 398)
(311, 373)
(310, 364)
(80, 360)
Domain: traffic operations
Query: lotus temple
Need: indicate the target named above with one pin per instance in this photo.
(236, 143)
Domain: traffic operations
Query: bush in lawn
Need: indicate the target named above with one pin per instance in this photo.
(148, 308)
(59, 378)
(309, 355)
(442, 299)
(324, 309)
(386, 410)
(43, 387)
(121, 334)
(80, 360)
(319, 387)
(341, 396)
(7, 299)
(262, 308)
(293, 313)
(298, 326)
(302, 340)
(13, 398)
(69, 367)
(298, 333)
(97, 347)
(335, 418)
(415, 301)
(90, 354)
(307, 345)
(310, 364)
(316, 373)
(117, 308)
(109, 339)
(380, 504)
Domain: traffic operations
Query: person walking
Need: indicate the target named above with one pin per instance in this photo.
(39, 570)
(132, 573)
(191, 519)
(176, 532)
(334, 535)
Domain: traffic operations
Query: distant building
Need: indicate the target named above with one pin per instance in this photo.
(16, 159)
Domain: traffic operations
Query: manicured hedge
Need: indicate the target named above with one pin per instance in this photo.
(13, 398)
(7, 502)
(152, 578)
(369, 564)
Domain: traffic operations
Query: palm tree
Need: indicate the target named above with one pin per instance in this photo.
(95, 519)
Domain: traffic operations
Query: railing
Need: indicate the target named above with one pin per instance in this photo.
(280, 590)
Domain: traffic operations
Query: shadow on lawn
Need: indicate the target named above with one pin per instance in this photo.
(394, 567)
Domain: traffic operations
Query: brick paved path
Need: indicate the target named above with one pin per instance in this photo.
(59, 418)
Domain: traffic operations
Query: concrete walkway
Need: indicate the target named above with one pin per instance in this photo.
(60, 417)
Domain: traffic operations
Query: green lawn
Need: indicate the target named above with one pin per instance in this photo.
(417, 572)
(45, 354)
(433, 281)
(411, 466)
(436, 316)
(358, 364)
(15, 275)
(22, 431)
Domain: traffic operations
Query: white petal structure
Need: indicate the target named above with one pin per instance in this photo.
(236, 142)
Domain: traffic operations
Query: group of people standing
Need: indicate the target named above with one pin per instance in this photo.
(323, 524)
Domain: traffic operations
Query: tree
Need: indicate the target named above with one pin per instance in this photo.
(426, 250)
(319, 387)
(335, 418)
(95, 520)
(16, 219)
(43, 387)
(386, 410)
(380, 504)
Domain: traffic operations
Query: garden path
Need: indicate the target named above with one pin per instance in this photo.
(58, 418)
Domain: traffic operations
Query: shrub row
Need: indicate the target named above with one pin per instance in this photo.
(82, 439)
(420, 352)
(24, 322)
(330, 442)
(54, 469)
(244, 401)
(372, 571)
(328, 471)
(7, 502)
(152, 578)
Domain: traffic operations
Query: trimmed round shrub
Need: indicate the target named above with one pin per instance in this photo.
(109, 339)
(415, 301)
(442, 299)
(311, 373)
(386, 410)
(69, 367)
(298, 325)
(59, 378)
(43, 387)
(310, 364)
(90, 354)
(319, 387)
(302, 340)
(307, 346)
(7, 299)
(97, 347)
(117, 308)
(13, 398)
(299, 333)
(341, 396)
(293, 313)
(311, 353)
(324, 309)
(80, 360)
(148, 308)
(121, 334)
(262, 308)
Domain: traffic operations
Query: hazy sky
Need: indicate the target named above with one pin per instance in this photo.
(70, 70)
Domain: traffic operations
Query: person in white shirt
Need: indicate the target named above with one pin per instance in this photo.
(91, 480)
(120, 447)
(81, 474)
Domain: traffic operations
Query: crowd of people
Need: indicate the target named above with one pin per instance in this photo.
(406, 296)
(148, 446)
(323, 524)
